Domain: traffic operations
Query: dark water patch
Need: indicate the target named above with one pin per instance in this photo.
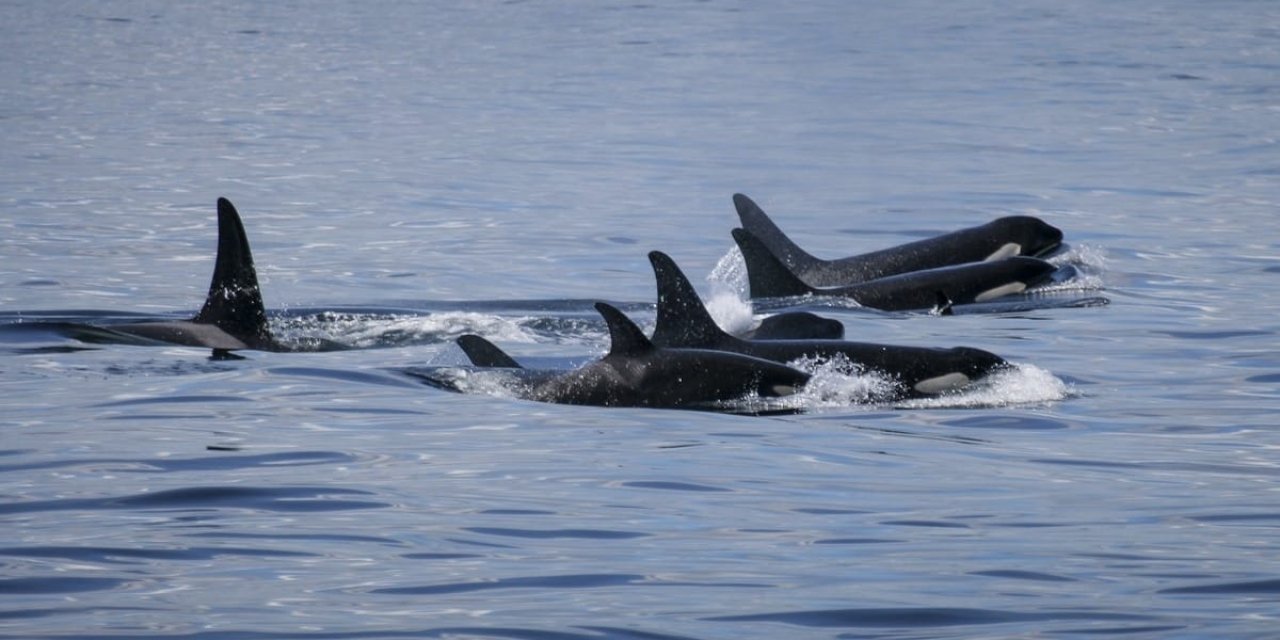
(443, 633)
(207, 463)
(31, 614)
(440, 556)
(1257, 587)
(576, 581)
(320, 537)
(919, 617)
(672, 486)
(45, 585)
(1023, 422)
(517, 512)
(856, 541)
(830, 512)
(172, 400)
(1014, 574)
(1214, 335)
(478, 543)
(1117, 631)
(341, 375)
(1269, 378)
(590, 534)
(1239, 517)
(1244, 469)
(122, 555)
(932, 524)
(278, 499)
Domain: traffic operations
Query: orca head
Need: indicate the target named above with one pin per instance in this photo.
(1022, 274)
(1027, 236)
(962, 365)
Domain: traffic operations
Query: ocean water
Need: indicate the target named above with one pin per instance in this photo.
(409, 172)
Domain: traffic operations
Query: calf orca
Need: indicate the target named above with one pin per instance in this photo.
(636, 373)
(1001, 238)
(683, 322)
(959, 284)
(795, 325)
(233, 316)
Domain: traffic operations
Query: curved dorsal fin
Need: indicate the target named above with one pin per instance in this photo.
(483, 353)
(234, 303)
(755, 220)
(683, 321)
(626, 339)
(767, 276)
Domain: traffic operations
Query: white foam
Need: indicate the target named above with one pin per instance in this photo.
(361, 330)
(1022, 384)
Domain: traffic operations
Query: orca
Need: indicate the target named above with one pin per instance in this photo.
(683, 322)
(233, 317)
(1001, 238)
(795, 325)
(637, 373)
(768, 277)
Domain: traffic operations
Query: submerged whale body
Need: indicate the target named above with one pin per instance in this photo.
(1001, 238)
(683, 321)
(232, 318)
(795, 325)
(637, 373)
(768, 277)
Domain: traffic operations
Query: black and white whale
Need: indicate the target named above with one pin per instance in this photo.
(1001, 238)
(683, 322)
(637, 373)
(795, 325)
(959, 284)
(233, 317)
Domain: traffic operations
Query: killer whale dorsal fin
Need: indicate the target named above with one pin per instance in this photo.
(483, 353)
(766, 275)
(234, 303)
(625, 338)
(683, 321)
(755, 220)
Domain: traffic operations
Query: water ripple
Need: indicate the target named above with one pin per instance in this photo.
(280, 499)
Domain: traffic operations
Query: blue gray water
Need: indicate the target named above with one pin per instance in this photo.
(398, 162)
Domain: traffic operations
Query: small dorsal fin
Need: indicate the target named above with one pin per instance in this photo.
(483, 353)
(234, 303)
(942, 305)
(767, 276)
(683, 321)
(755, 220)
(626, 339)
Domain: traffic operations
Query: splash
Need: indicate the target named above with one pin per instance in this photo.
(839, 385)
(1088, 262)
(1023, 384)
(359, 330)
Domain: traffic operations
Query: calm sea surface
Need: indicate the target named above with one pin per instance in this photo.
(411, 171)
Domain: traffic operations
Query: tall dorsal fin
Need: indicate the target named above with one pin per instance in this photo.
(234, 303)
(625, 338)
(483, 353)
(683, 321)
(767, 276)
(755, 220)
